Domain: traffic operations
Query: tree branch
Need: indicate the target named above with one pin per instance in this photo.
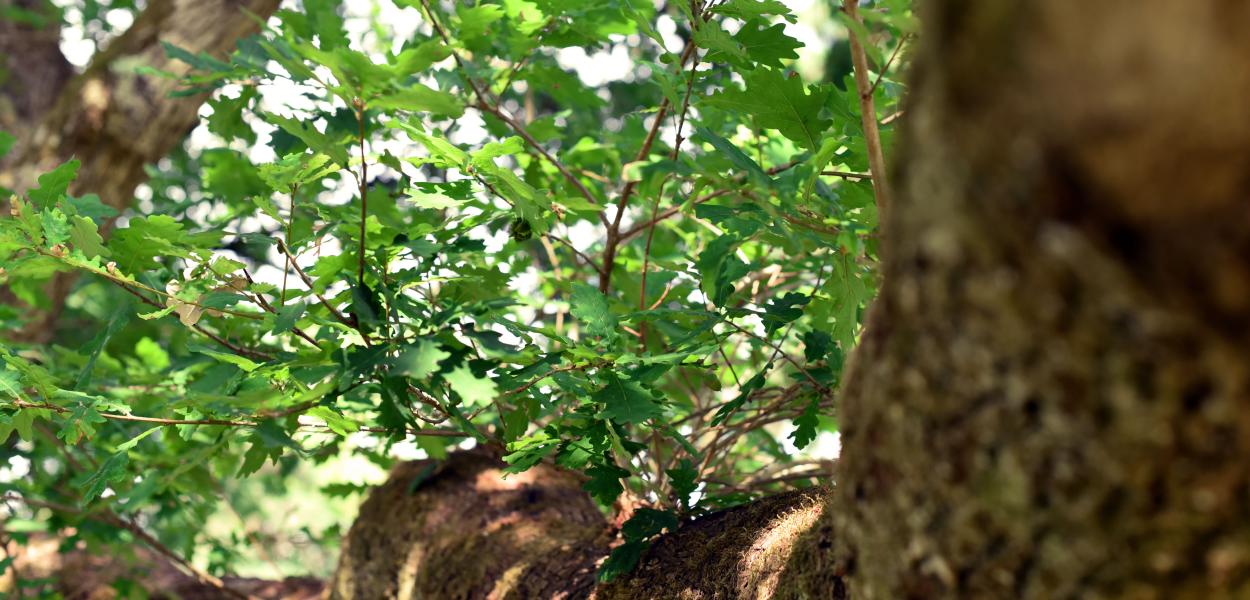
(868, 110)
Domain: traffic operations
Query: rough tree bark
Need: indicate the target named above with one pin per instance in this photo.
(110, 118)
(458, 529)
(1051, 400)
(1052, 396)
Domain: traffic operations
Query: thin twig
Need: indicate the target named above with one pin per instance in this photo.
(531, 383)
(199, 329)
(847, 174)
(261, 302)
(517, 127)
(868, 110)
(161, 422)
(582, 255)
(308, 282)
(881, 75)
(485, 103)
(672, 210)
(614, 237)
(655, 206)
(364, 189)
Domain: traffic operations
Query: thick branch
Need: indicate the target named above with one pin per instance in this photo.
(34, 69)
(458, 529)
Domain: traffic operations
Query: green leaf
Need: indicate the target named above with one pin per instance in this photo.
(683, 479)
(625, 402)
(420, 360)
(54, 184)
(828, 149)
(111, 470)
(744, 393)
(366, 307)
(475, 21)
(10, 383)
(317, 141)
(419, 58)
(648, 522)
(604, 484)
(89, 206)
(779, 102)
(335, 421)
(748, 9)
(117, 320)
(735, 155)
(419, 98)
(287, 317)
(129, 445)
(145, 239)
(80, 424)
(234, 359)
(55, 226)
(805, 424)
(767, 46)
(473, 390)
(202, 61)
(591, 308)
(720, 267)
(152, 355)
(622, 560)
(85, 237)
(782, 310)
(529, 451)
(838, 309)
(722, 46)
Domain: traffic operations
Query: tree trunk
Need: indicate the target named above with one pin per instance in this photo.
(1051, 399)
(1051, 396)
(112, 119)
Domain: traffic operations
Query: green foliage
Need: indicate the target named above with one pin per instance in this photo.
(391, 275)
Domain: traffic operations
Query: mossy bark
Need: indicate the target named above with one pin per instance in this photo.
(1052, 399)
(457, 529)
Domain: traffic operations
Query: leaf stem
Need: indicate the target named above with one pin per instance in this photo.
(364, 189)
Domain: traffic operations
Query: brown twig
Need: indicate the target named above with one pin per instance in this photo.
(614, 237)
(655, 206)
(872, 134)
(308, 282)
(261, 302)
(162, 422)
(206, 333)
(881, 75)
(582, 255)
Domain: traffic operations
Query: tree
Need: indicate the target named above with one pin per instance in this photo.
(1043, 401)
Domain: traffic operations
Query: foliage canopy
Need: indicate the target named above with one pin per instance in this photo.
(450, 236)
